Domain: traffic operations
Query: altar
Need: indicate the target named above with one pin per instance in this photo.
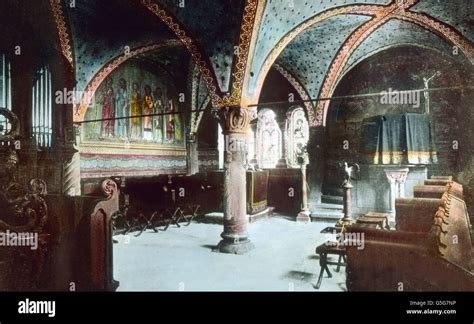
(380, 184)
(395, 152)
(257, 191)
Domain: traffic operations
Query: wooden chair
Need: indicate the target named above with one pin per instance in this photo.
(325, 249)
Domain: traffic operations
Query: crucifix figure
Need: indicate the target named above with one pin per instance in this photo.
(426, 93)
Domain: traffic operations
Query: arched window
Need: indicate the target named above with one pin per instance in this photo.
(297, 132)
(41, 117)
(269, 142)
(5, 91)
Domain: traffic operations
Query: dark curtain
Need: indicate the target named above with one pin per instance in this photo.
(397, 139)
(420, 139)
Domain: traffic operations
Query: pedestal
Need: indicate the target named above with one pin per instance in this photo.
(347, 202)
(397, 178)
(304, 215)
(371, 193)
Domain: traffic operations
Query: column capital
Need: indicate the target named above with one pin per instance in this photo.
(235, 119)
(191, 137)
(397, 175)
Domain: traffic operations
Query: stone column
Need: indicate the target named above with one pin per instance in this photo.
(71, 172)
(72, 176)
(304, 215)
(347, 208)
(282, 161)
(236, 122)
(396, 177)
(392, 196)
(192, 154)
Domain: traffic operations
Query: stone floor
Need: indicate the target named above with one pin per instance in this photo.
(182, 259)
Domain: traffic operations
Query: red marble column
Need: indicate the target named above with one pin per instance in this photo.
(235, 238)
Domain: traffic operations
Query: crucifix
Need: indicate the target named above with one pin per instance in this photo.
(426, 93)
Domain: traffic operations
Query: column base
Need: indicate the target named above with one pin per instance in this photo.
(235, 247)
(281, 164)
(391, 218)
(304, 216)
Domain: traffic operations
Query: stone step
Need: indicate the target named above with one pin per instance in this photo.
(329, 199)
(326, 206)
(326, 214)
(327, 211)
(333, 191)
(437, 177)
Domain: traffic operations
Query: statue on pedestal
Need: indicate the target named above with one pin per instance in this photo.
(351, 173)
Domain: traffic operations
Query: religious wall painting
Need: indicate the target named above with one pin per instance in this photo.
(297, 135)
(131, 91)
(122, 107)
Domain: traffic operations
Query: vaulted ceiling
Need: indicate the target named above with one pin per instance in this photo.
(234, 43)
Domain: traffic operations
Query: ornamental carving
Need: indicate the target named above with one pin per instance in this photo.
(246, 32)
(300, 90)
(22, 210)
(235, 119)
(62, 28)
(397, 176)
(199, 59)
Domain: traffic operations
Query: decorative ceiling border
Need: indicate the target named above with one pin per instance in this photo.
(63, 31)
(367, 10)
(398, 9)
(200, 59)
(197, 107)
(343, 55)
(194, 82)
(240, 69)
(81, 109)
(442, 29)
(299, 89)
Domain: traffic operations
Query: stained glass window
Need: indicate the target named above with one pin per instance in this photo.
(269, 139)
(297, 132)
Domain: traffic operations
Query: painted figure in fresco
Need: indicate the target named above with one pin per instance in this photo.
(122, 109)
(178, 133)
(148, 106)
(170, 124)
(108, 109)
(170, 128)
(136, 108)
(174, 129)
(158, 120)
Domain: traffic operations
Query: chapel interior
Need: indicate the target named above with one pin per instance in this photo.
(237, 145)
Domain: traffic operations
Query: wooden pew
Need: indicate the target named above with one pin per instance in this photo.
(94, 247)
(438, 259)
(436, 188)
(415, 214)
(428, 191)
